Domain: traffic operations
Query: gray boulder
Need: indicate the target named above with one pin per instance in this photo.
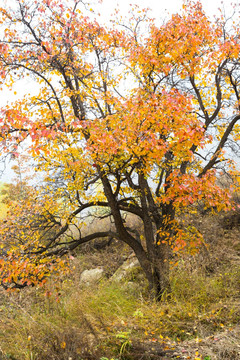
(125, 269)
(92, 276)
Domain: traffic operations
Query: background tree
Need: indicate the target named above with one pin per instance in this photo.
(133, 119)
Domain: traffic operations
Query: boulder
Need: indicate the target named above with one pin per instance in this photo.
(92, 276)
(125, 269)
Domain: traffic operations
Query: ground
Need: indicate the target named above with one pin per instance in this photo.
(66, 320)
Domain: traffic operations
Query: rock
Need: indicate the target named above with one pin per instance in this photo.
(92, 276)
(132, 286)
(125, 269)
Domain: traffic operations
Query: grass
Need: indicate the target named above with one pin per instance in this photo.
(101, 321)
(63, 321)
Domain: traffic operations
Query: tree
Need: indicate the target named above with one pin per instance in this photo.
(27, 224)
(133, 119)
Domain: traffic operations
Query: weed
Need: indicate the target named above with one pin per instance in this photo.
(125, 341)
(105, 321)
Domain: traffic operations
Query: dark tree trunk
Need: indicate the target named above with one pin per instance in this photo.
(162, 285)
(158, 276)
(153, 256)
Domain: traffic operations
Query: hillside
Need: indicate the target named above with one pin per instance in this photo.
(116, 319)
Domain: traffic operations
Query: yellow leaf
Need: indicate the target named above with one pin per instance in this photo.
(63, 345)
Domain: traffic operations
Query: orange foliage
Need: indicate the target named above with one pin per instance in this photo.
(127, 122)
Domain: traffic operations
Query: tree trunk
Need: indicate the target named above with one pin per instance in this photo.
(154, 260)
(161, 270)
(156, 270)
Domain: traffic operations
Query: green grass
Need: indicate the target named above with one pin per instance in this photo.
(106, 319)
(111, 320)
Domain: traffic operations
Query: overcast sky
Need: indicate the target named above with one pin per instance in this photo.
(161, 7)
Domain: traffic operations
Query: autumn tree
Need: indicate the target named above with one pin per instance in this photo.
(134, 119)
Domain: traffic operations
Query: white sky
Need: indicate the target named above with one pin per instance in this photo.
(160, 9)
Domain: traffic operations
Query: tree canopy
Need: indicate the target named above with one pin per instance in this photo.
(131, 119)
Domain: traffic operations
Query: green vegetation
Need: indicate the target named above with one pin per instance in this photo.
(133, 131)
(118, 320)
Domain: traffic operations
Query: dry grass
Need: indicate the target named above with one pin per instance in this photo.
(198, 320)
(224, 345)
